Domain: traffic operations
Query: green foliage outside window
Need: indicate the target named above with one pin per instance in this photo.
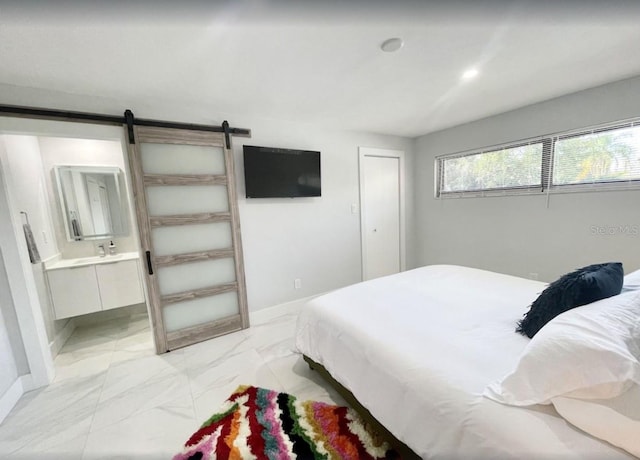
(611, 155)
(598, 157)
(512, 167)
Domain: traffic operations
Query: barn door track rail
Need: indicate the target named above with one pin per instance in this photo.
(127, 119)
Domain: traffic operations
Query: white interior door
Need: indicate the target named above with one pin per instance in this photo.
(381, 204)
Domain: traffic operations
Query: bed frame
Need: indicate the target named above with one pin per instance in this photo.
(380, 432)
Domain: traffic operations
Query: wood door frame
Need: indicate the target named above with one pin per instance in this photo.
(165, 341)
(383, 153)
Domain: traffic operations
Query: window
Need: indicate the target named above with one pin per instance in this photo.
(507, 168)
(569, 161)
(596, 157)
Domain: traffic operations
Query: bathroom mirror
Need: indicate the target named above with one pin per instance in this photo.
(92, 201)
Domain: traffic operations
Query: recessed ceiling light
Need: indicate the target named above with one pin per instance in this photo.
(470, 74)
(391, 45)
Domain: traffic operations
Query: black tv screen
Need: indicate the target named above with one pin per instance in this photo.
(281, 173)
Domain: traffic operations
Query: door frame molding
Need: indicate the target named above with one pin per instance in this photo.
(384, 153)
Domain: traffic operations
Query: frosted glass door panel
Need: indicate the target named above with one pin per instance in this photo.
(197, 275)
(194, 312)
(187, 199)
(184, 239)
(181, 159)
(186, 203)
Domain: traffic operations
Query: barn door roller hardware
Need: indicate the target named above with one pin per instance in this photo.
(128, 119)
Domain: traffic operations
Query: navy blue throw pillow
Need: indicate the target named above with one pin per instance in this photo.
(574, 289)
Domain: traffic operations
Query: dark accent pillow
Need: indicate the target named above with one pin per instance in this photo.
(581, 287)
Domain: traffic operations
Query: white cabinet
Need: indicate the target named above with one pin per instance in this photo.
(74, 291)
(90, 288)
(119, 284)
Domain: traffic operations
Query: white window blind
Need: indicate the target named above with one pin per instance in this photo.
(608, 155)
(510, 167)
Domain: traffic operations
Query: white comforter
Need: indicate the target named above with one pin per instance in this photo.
(418, 349)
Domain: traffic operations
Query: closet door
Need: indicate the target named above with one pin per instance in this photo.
(190, 234)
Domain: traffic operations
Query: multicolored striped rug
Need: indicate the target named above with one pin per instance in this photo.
(255, 423)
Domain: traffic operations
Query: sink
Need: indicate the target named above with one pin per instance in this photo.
(113, 257)
(93, 260)
(97, 259)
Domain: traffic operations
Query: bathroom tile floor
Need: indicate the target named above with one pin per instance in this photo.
(114, 398)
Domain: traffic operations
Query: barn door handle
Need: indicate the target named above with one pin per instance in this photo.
(149, 267)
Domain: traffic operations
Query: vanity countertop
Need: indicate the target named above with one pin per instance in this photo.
(108, 259)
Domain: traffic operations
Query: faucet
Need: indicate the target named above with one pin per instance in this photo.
(101, 251)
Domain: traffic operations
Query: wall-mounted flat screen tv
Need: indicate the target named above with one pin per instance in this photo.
(281, 173)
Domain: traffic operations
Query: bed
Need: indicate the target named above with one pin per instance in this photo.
(418, 350)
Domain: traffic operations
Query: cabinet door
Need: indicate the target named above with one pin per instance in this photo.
(74, 291)
(119, 284)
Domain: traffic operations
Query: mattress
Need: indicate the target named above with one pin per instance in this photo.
(419, 348)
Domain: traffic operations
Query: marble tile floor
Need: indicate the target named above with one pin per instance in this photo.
(114, 398)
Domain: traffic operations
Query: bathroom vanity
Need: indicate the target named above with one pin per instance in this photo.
(91, 284)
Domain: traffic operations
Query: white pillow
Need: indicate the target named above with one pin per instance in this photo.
(615, 420)
(589, 352)
(631, 282)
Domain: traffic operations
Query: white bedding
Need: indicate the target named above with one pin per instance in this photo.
(418, 350)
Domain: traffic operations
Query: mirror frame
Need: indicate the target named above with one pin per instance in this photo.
(64, 207)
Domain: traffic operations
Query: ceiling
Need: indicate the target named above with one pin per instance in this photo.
(320, 62)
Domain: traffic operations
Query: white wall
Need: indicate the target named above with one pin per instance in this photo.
(22, 289)
(23, 165)
(15, 366)
(314, 239)
(7, 308)
(518, 234)
(30, 189)
(8, 365)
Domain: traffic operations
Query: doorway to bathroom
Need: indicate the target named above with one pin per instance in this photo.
(81, 264)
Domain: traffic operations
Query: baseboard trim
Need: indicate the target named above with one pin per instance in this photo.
(61, 338)
(13, 395)
(266, 312)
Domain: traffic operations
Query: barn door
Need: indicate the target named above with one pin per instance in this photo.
(187, 213)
